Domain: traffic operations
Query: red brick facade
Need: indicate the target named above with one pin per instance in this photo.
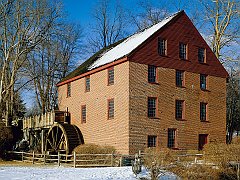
(130, 128)
(187, 129)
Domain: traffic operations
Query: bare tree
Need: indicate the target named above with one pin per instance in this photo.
(50, 62)
(152, 12)
(149, 14)
(233, 104)
(24, 24)
(108, 27)
(223, 16)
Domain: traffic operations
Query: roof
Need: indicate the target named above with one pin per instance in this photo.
(128, 45)
(118, 50)
(85, 65)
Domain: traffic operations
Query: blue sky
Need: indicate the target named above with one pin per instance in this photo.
(80, 10)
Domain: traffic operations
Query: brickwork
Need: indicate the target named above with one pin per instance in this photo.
(166, 92)
(129, 129)
(98, 129)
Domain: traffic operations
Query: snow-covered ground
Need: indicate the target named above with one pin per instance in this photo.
(66, 173)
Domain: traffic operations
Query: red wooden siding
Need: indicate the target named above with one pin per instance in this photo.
(182, 30)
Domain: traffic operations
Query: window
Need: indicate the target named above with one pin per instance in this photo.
(171, 138)
(111, 76)
(179, 78)
(68, 89)
(162, 47)
(179, 109)
(110, 108)
(152, 110)
(201, 55)
(182, 51)
(87, 84)
(203, 81)
(84, 112)
(152, 75)
(152, 141)
(203, 111)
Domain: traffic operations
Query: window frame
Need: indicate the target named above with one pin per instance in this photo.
(183, 53)
(183, 109)
(204, 55)
(162, 50)
(112, 81)
(155, 72)
(206, 112)
(151, 144)
(182, 78)
(108, 107)
(155, 108)
(174, 144)
(206, 82)
(83, 118)
(87, 87)
(69, 89)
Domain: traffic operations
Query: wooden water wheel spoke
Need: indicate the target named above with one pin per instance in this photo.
(56, 135)
(60, 141)
(63, 137)
(63, 144)
(48, 141)
(53, 139)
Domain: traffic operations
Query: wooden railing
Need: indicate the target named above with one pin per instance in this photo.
(90, 160)
(196, 157)
(73, 160)
(182, 157)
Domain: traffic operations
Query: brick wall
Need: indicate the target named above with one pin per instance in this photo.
(166, 91)
(129, 129)
(98, 129)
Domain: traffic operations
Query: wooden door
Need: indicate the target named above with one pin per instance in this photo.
(202, 141)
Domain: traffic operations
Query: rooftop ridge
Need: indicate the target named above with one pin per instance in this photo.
(119, 49)
(130, 43)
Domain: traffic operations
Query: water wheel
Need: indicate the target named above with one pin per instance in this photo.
(63, 138)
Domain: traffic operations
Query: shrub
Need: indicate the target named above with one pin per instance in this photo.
(6, 139)
(90, 154)
(94, 149)
(195, 171)
(222, 154)
(225, 156)
(217, 157)
(160, 157)
(218, 162)
(236, 140)
(156, 160)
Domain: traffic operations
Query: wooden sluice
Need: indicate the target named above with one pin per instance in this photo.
(44, 120)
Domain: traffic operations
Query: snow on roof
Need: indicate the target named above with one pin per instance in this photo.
(128, 45)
